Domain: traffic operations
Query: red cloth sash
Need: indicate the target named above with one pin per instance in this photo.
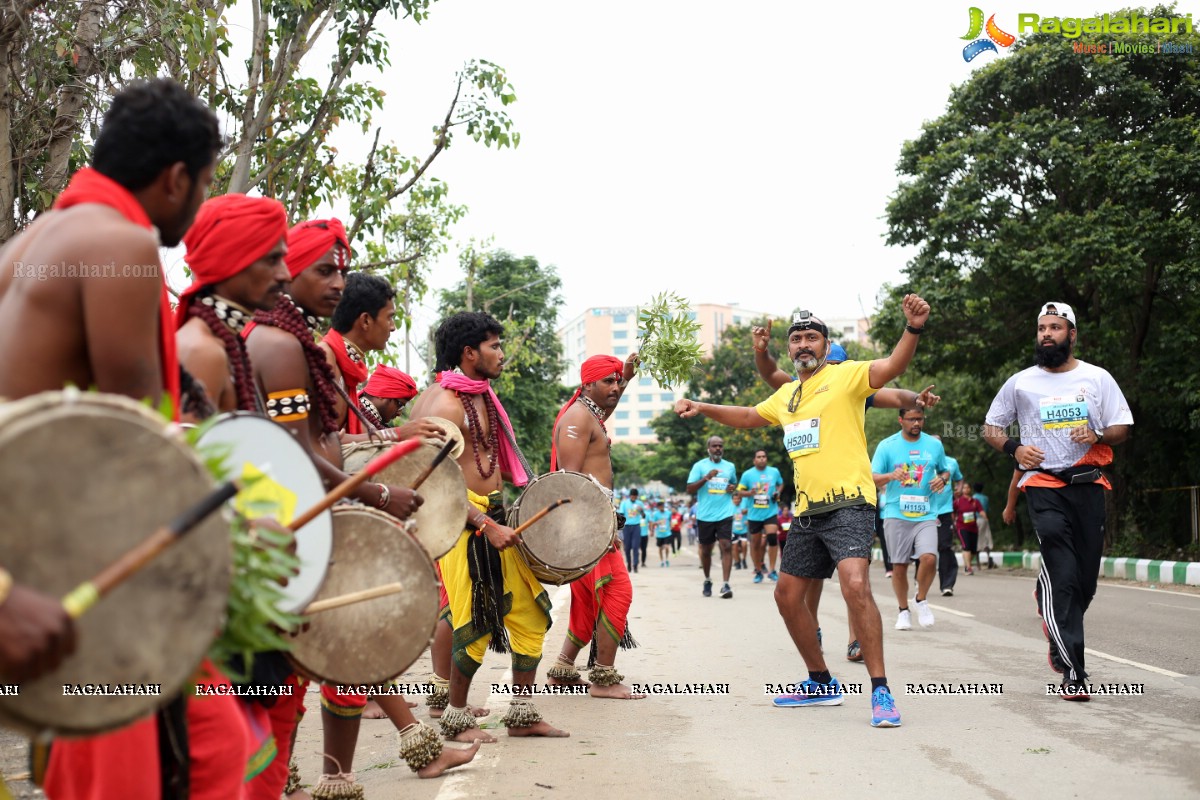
(353, 374)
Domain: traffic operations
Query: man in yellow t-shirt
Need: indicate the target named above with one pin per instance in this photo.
(821, 417)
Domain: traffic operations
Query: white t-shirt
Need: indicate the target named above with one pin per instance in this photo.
(1049, 405)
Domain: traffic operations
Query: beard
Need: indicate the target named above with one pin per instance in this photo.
(1051, 355)
(805, 361)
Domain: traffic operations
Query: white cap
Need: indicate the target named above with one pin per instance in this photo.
(1058, 310)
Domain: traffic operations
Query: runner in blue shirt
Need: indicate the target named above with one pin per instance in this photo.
(631, 535)
(713, 480)
(763, 485)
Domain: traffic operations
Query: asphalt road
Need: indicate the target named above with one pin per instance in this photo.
(1021, 743)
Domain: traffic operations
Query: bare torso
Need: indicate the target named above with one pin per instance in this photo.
(203, 355)
(437, 401)
(580, 424)
(79, 298)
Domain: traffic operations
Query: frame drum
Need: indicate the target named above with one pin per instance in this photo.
(568, 542)
(442, 517)
(375, 640)
(250, 439)
(86, 477)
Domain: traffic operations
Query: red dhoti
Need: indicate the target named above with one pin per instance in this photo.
(123, 763)
(600, 601)
(285, 716)
(343, 706)
(219, 742)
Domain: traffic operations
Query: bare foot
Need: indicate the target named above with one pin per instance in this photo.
(475, 711)
(450, 758)
(373, 711)
(579, 681)
(472, 735)
(542, 728)
(618, 691)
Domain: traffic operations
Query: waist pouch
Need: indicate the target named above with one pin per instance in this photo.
(1076, 475)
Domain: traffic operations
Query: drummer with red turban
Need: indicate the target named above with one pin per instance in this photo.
(235, 250)
(386, 394)
(600, 600)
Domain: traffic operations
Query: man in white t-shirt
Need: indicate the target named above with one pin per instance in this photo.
(1069, 413)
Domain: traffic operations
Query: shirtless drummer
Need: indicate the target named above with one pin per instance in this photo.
(600, 600)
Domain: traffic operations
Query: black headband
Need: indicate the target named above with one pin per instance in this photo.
(805, 321)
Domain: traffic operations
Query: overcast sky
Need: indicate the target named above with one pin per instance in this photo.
(740, 153)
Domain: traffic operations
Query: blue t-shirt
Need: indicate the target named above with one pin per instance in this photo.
(739, 517)
(763, 485)
(662, 530)
(714, 498)
(943, 502)
(982, 498)
(632, 511)
(910, 499)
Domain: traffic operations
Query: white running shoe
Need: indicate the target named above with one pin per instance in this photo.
(924, 614)
(904, 621)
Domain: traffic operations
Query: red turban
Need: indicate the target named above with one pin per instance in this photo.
(600, 367)
(594, 369)
(230, 233)
(310, 240)
(390, 383)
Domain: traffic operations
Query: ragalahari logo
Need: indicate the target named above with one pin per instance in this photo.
(995, 36)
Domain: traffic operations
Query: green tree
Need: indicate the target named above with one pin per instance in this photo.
(524, 296)
(61, 62)
(1057, 176)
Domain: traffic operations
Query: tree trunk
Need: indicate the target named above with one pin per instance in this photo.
(8, 177)
(73, 97)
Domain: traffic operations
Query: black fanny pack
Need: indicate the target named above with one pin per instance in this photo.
(1076, 475)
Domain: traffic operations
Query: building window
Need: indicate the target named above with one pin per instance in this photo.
(622, 431)
(737, 320)
(645, 381)
(645, 414)
(646, 430)
(623, 350)
(622, 415)
(692, 316)
(620, 318)
(645, 398)
(667, 397)
(620, 334)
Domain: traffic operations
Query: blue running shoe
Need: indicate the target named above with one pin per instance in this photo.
(883, 709)
(811, 693)
(757, 576)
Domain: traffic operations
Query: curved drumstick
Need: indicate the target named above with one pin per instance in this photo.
(438, 459)
(525, 525)
(351, 483)
(87, 594)
(353, 597)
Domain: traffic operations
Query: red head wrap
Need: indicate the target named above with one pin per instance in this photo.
(600, 367)
(390, 383)
(310, 240)
(230, 233)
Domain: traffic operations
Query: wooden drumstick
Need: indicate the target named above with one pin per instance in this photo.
(353, 597)
(525, 525)
(343, 489)
(438, 459)
(87, 594)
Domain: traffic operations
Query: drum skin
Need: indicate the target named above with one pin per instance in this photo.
(441, 518)
(567, 543)
(375, 640)
(248, 438)
(87, 477)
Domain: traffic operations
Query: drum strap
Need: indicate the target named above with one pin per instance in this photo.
(487, 587)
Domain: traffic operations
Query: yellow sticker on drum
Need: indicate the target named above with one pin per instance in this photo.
(264, 497)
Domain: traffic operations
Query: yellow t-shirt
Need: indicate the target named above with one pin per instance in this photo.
(825, 437)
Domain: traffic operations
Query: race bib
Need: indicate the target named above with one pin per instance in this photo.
(1065, 411)
(914, 505)
(802, 437)
(968, 517)
(718, 485)
(762, 500)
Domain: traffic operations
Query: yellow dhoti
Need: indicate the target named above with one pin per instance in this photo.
(525, 606)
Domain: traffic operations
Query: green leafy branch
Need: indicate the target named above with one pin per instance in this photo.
(669, 350)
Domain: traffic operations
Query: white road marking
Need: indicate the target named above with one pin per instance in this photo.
(1139, 665)
(952, 611)
(1167, 605)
